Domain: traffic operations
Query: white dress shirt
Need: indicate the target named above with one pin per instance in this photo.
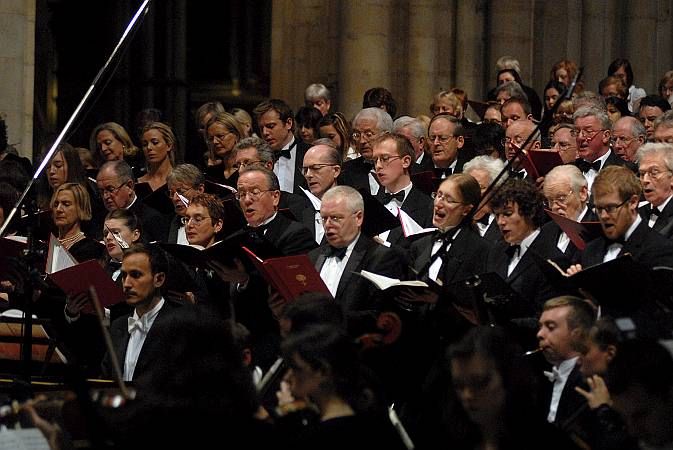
(333, 268)
(433, 271)
(528, 240)
(653, 217)
(591, 174)
(284, 167)
(563, 239)
(393, 206)
(316, 202)
(560, 374)
(137, 339)
(614, 249)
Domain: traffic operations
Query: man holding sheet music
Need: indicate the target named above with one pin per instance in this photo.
(347, 251)
(515, 136)
(393, 155)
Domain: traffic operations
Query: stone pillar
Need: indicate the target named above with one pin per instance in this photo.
(364, 60)
(641, 42)
(599, 46)
(422, 61)
(512, 34)
(17, 69)
(470, 56)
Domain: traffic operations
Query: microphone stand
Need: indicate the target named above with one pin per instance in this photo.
(106, 71)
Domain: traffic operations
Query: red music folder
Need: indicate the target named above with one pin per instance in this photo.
(77, 279)
(291, 276)
(538, 163)
(579, 232)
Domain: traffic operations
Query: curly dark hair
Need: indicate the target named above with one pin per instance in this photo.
(525, 195)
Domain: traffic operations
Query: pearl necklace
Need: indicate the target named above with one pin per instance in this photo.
(68, 242)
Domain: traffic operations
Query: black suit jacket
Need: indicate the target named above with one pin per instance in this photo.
(120, 339)
(527, 279)
(614, 160)
(552, 231)
(155, 225)
(418, 205)
(664, 223)
(647, 247)
(571, 404)
(173, 228)
(493, 233)
(355, 173)
(464, 259)
(355, 294)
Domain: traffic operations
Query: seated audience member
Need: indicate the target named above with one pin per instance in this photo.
(416, 133)
(336, 127)
(640, 379)
(455, 251)
(485, 170)
(393, 156)
(563, 141)
(519, 213)
(159, 147)
(655, 168)
(143, 274)
(628, 134)
(663, 128)
(116, 187)
(621, 68)
(307, 119)
(567, 195)
(346, 251)
(563, 322)
(382, 98)
(616, 192)
(318, 96)
(184, 182)
(651, 107)
(368, 124)
(446, 139)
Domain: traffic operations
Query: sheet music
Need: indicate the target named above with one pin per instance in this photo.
(23, 439)
(58, 257)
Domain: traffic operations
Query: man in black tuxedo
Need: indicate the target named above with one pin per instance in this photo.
(322, 166)
(593, 130)
(563, 322)
(347, 251)
(275, 122)
(143, 274)
(368, 124)
(515, 136)
(184, 183)
(393, 156)
(520, 214)
(565, 189)
(616, 192)
(417, 133)
(485, 169)
(655, 167)
(446, 138)
(115, 184)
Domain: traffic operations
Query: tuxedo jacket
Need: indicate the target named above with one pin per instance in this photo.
(493, 233)
(355, 173)
(466, 256)
(664, 223)
(355, 294)
(155, 225)
(299, 179)
(173, 228)
(296, 204)
(424, 166)
(418, 205)
(647, 247)
(614, 160)
(552, 231)
(572, 408)
(527, 279)
(152, 345)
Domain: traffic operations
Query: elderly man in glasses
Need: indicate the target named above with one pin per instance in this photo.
(655, 168)
(446, 138)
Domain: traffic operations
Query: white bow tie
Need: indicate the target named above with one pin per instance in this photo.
(137, 324)
(552, 376)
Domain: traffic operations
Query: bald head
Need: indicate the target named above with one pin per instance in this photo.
(516, 134)
(321, 167)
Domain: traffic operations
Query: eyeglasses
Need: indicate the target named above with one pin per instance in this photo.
(367, 135)
(322, 220)
(315, 168)
(219, 137)
(241, 164)
(441, 139)
(562, 145)
(585, 134)
(560, 199)
(255, 194)
(196, 219)
(110, 190)
(444, 198)
(384, 159)
(518, 141)
(610, 209)
(625, 140)
(654, 173)
(171, 193)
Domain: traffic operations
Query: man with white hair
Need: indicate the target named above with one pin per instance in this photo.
(368, 124)
(663, 128)
(416, 132)
(655, 169)
(485, 169)
(318, 96)
(628, 134)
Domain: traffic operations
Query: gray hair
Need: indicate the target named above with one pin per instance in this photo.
(513, 88)
(264, 152)
(316, 91)
(325, 141)
(592, 111)
(637, 128)
(665, 120)
(660, 148)
(271, 178)
(572, 173)
(353, 198)
(491, 166)
(383, 120)
(416, 126)
(507, 62)
(187, 174)
(120, 168)
(589, 98)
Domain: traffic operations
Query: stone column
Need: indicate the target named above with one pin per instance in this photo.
(470, 56)
(422, 60)
(364, 60)
(17, 69)
(642, 42)
(511, 34)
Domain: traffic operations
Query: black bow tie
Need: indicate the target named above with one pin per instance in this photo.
(586, 166)
(442, 236)
(653, 210)
(256, 232)
(513, 249)
(520, 174)
(333, 252)
(388, 197)
(114, 264)
(484, 220)
(283, 154)
(442, 173)
(620, 240)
